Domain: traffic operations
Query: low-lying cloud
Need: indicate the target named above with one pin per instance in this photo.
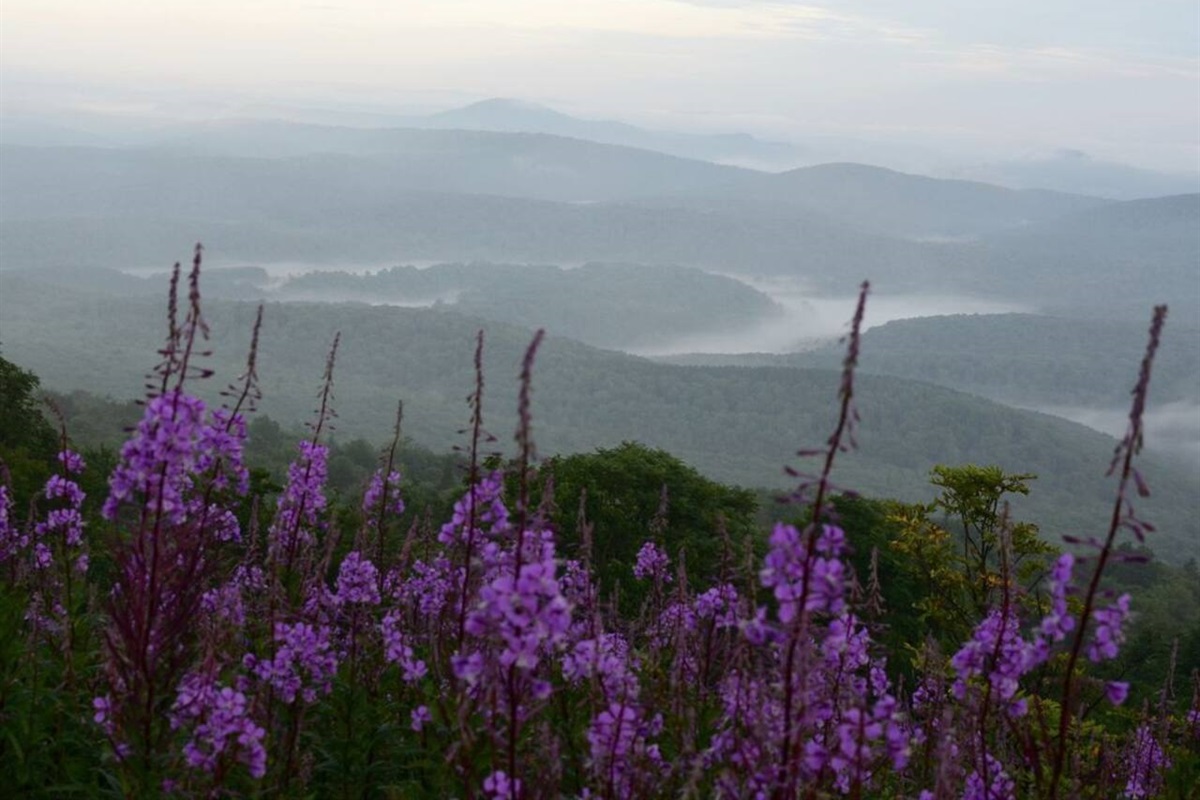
(810, 319)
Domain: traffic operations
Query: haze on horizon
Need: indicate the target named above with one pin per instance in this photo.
(999, 80)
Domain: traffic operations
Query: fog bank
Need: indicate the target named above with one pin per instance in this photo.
(809, 319)
(1171, 429)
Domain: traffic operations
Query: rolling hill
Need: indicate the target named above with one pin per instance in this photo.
(736, 424)
(1027, 359)
(885, 202)
(1114, 260)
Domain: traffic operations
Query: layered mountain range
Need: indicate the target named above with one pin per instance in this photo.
(510, 218)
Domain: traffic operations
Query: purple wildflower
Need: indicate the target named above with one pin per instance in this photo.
(375, 494)
(398, 650)
(304, 662)
(720, 604)
(65, 522)
(607, 658)
(72, 462)
(498, 786)
(428, 587)
(223, 524)
(997, 635)
(221, 724)
(652, 563)
(1147, 764)
(791, 577)
(357, 581)
(998, 786)
(420, 718)
(224, 604)
(525, 612)
(298, 518)
(61, 488)
(221, 444)
(484, 503)
(468, 668)
(1059, 621)
(676, 620)
(1108, 636)
(103, 715)
(157, 463)
(756, 629)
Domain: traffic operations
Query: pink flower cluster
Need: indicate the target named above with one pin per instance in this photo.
(303, 664)
(652, 564)
(218, 718)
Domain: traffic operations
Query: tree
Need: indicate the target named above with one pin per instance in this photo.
(625, 488)
(28, 442)
(974, 496)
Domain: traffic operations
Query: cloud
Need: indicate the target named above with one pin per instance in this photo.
(1048, 70)
(1045, 63)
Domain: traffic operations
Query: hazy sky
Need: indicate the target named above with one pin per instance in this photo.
(1119, 79)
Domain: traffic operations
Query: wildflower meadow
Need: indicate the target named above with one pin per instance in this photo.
(168, 631)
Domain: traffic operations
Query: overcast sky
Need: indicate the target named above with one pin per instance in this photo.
(1119, 79)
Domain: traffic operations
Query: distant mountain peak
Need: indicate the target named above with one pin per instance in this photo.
(506, 110)
(512, 115)
(513, 103)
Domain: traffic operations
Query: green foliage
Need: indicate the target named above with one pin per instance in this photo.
(928, 557)
(22, 422)
(28, 441)
(48, 742)
(975, 497)
(625, 487)
(896, 579)
(1166, 603)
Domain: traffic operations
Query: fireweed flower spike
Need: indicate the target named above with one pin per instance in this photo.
(299, 518)
(12, 538)
(357, 581)
(218, 720)
(795, 604)
(63, 523)
(158, 463)
(1109, 635)
(1059, 622)
(1146, 764)
(1122, 517)
(303, 665)
(178, 461)
(376, 502)
(652, 564)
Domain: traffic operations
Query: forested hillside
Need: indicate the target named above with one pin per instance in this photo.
(615, 306)
(269, 193)
(1025, 359)
(735, 424)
